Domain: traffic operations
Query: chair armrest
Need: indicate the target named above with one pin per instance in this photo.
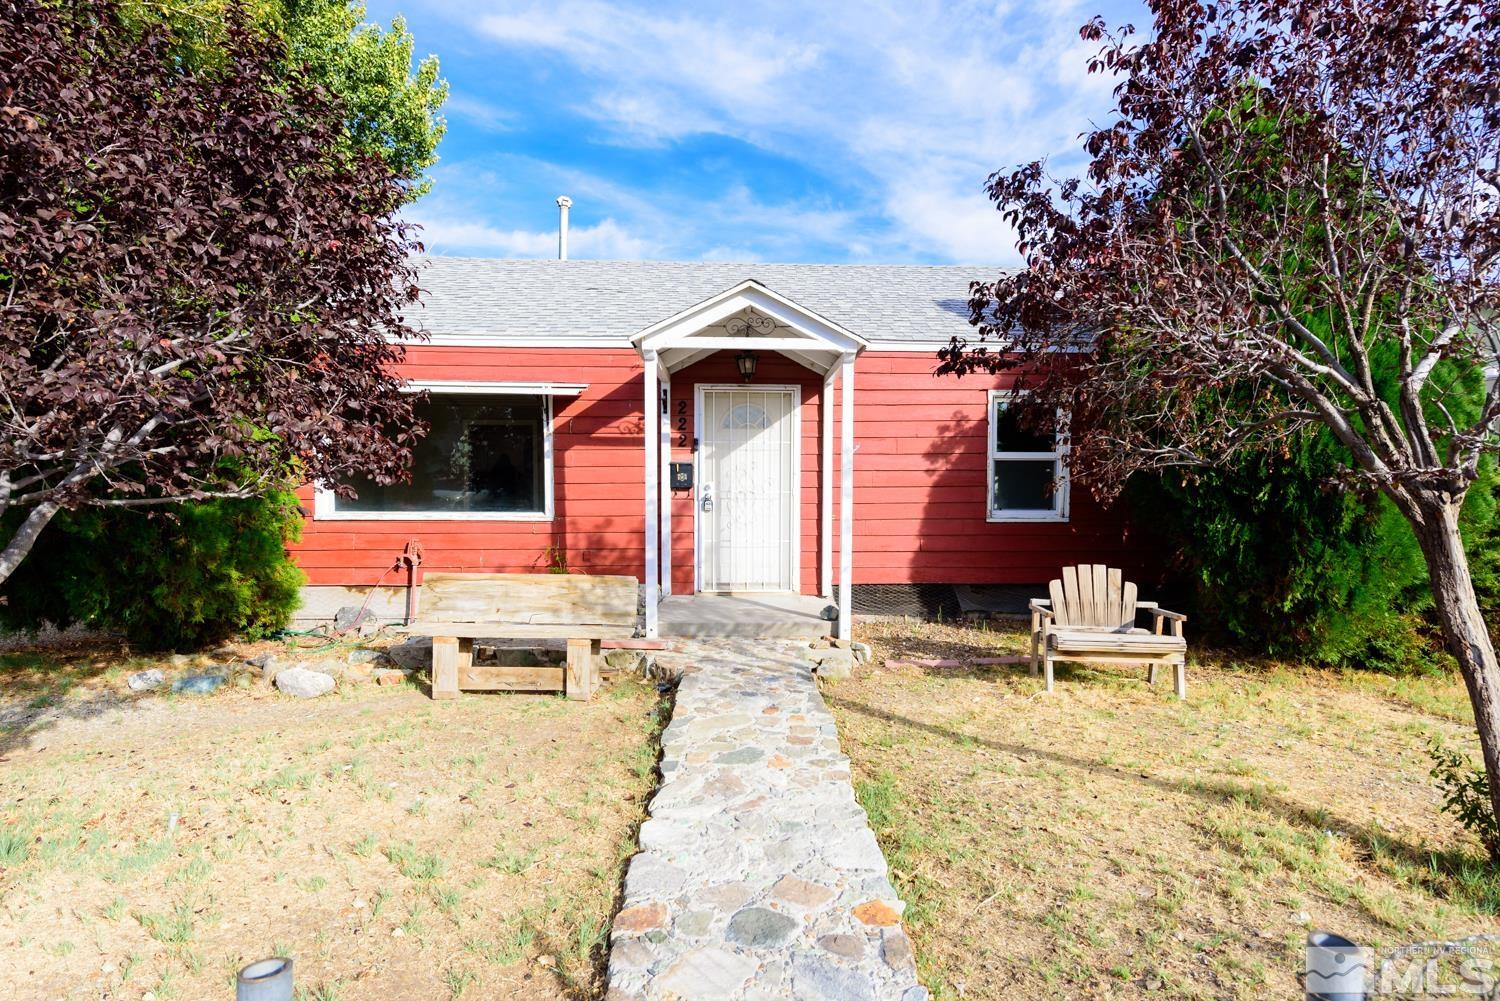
(1161, 617)
(1042, 607)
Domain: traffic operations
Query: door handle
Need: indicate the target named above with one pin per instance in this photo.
(707, 502)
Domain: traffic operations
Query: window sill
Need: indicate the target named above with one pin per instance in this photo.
(1045, 517)
(533, 516)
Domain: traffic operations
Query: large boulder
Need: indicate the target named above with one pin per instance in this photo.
(350, 617)
(198, 684)
(304, 683)
(145, 681)
(834, 664)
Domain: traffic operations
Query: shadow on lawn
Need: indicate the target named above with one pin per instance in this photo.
(1443, 873)
(38, 689)
(1007, 641)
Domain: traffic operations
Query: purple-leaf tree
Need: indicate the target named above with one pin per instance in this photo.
(1290, 222)
(199, 285)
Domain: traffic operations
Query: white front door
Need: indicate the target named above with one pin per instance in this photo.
(748, 489)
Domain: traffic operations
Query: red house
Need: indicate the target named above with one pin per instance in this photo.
(706, 427)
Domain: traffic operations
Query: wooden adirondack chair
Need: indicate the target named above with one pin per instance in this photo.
(1090, 617)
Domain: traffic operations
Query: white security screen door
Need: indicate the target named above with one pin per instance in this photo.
(747, 488)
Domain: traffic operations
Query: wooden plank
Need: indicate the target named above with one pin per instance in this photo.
(582, 668)
(493, 677)
(1102, 611)
(632, 644)
(1142, 659)
(1116, 601)
(1059, 602)
(534, 599)
(1127, 604)
(1071, 642)
(515, 631)
(445, 667)
(1081, 595)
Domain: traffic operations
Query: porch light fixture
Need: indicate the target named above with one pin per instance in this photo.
(745, 362)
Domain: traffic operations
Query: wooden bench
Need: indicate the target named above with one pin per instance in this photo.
(458, 608)
(1090, 618)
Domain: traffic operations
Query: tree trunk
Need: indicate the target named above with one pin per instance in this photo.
(20, 544)
(1464, 628)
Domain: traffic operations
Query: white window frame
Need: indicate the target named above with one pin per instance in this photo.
(325, 501)
(1059, 455)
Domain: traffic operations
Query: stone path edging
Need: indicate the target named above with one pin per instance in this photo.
(758, 875)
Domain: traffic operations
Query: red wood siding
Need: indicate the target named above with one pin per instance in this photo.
(919, 480)
(597, 478)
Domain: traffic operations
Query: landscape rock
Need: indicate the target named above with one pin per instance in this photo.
(414, 655)
(358, 673)
(364, 655)
(145, 681)
(895, 947)
(518, 657)
(624, 660)
(304, 683)
(835, 664)
(760, 926)
(350, 617)
(198, 684)
(848, 946)
(642, 918)
(390, 675)
(862, 652)
(707, 973)
(877, 912)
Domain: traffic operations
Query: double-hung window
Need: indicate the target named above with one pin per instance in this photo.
(486, 456)
(1028, 473)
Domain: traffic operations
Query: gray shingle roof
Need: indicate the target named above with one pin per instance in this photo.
(609, 301)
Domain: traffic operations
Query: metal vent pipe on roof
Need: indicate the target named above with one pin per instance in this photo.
(563, 204)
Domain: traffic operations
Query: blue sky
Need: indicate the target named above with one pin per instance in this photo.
(836, 131)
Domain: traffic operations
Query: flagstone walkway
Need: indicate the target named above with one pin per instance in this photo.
(758, 875)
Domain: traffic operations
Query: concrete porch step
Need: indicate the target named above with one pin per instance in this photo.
(768, 615)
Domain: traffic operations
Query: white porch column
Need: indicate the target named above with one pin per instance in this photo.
(653, 497)
(664, 415)
(825, 492)
(846, 500)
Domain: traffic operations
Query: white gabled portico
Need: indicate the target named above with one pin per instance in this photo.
(749, 317)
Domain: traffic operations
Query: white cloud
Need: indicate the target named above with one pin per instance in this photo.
(477, 111)
(607, 240)
(913, 103)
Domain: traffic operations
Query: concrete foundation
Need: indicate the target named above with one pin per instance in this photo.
(784, 616)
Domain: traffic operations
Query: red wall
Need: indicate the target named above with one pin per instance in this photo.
(919, 496)
(920, 482)
(597, 478)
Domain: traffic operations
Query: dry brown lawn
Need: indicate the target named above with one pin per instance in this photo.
(1108, 841)
(395, 847)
